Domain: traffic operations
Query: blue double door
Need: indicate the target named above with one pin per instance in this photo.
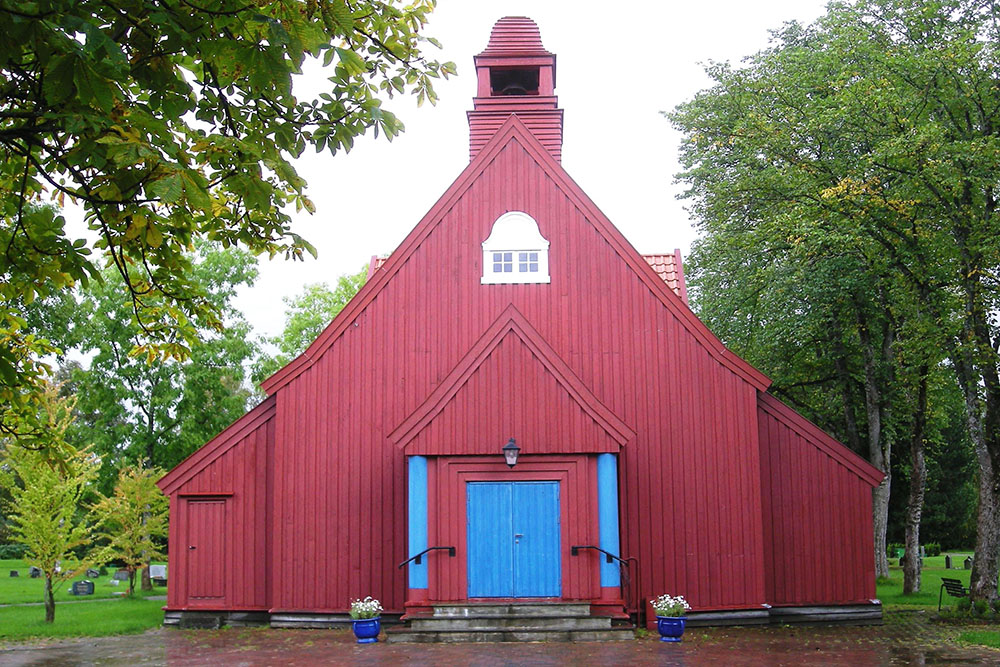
(513, 539)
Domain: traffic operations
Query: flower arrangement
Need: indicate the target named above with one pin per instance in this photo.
(367, 608)
(670, 606)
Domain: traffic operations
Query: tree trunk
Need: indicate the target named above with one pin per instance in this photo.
(146, 583)
(918, 483)
(975, 364)
(131, 581)
(879, 444)
(50, 602)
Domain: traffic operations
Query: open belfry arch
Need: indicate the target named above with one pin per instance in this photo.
(515, 312)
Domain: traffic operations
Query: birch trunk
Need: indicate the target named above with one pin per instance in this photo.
(918, 484)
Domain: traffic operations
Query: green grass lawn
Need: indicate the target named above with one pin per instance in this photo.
(891, 592)
(25, 589)
(989, 638)
(85, 619)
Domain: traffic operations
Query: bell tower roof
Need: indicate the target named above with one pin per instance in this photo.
(516, 75)
(515, 35)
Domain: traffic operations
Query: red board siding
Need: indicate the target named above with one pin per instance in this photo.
(316, 477)
(689, 480)
(545, 124)
(220, 510)
(819, 548)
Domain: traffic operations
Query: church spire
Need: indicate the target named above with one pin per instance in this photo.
(516, 75)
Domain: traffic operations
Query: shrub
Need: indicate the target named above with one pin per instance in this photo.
(963, 604)
(12, 551)
(891, 547)
(933, 549)
(980, 606)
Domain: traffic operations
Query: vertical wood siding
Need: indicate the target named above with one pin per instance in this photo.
(236, 536)
(690, 478)
(819, 547)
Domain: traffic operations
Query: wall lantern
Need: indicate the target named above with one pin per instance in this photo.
(510, 451)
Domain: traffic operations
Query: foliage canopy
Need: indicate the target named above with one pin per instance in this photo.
(170, 121)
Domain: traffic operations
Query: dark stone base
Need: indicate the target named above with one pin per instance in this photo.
(858, 614)
(212, 620)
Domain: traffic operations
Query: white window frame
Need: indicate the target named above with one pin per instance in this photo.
(515, 232)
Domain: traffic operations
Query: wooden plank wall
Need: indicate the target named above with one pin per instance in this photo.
(240, 476)
(817, 516)
(689, 481)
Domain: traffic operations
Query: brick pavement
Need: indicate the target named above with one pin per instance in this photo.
(905, 639)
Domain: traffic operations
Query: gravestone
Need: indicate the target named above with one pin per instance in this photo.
(968, 563)
(158, 574)
(91, 572)
(15, 573)
(121, 575)
(83, 587)
(947, 562)
(34, 572)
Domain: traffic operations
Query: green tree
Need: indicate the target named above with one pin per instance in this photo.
(306, 315)
(171, 121)
(870, 136)
(132, 521)
(46, 500)
(135, 412)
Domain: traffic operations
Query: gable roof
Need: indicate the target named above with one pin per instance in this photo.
(514, 130)
(511, 321)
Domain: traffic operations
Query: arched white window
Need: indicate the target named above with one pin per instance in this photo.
(515, 251)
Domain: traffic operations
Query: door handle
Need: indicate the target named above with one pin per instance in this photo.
(192, 547)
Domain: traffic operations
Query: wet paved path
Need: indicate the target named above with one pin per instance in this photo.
(905, 639)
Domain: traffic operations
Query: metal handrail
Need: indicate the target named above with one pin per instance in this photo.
(611, 558)
(416, 559)
(624, 566)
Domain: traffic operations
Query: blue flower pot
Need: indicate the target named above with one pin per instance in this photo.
(670, 627)
(367, 629)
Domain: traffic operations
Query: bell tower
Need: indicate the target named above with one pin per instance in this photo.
(516, 75)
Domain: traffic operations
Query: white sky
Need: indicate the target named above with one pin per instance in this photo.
(615, 74)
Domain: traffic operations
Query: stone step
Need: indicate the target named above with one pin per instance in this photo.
(510, 622)
(513, 608)
(508, 635)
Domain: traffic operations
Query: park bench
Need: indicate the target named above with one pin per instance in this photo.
(954, 588)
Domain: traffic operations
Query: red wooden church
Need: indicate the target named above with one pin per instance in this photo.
(515, 318)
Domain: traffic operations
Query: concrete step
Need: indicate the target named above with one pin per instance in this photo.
(507, 635)
(513, 608)
(510, 622)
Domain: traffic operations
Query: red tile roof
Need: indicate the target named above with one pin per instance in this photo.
(671, 269)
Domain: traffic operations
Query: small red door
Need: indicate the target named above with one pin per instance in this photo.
(206, 557)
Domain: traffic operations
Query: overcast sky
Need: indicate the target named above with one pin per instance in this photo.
(615, 73)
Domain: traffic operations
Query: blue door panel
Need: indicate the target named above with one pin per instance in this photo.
(536, 539)
(513, 539)
(490, 549)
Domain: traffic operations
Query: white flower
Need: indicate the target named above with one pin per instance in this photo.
(666, 605)
(367, 608)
